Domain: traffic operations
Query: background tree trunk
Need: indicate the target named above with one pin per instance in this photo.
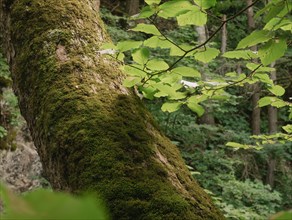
(273, 128)
(132, 7)
(224, 36)
(90, 132)
(207, 117)
(256, 111)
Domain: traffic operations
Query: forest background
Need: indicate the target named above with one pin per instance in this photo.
(245, 183)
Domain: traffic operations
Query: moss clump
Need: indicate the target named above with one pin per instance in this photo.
(91, 133)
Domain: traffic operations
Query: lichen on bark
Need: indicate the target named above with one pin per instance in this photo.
(92, 134)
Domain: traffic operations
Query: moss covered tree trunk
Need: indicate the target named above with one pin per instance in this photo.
(90, 132)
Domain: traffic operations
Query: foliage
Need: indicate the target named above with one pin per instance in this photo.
(45, 204)
(3, 132)
(10, 117)
(158, 78)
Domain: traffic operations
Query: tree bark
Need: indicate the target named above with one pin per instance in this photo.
(207, 117)
(132, 7)
(256, 111)
(92, 133)
(273, 128)
(224, 36)
(272, 111)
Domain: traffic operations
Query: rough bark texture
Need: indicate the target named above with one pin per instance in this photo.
(90, 132)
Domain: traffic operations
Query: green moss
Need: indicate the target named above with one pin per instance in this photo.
(91, 134)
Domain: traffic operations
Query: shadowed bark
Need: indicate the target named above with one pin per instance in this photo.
(256, 111)
(92, 133)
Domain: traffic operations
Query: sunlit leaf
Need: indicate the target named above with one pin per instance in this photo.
(240, 54)
(128, 45)
(196, 108)
(265, 101)
(131, 81)
(272, 51)
(253, 66)
(207, 55)
(141, 55)
(186, 71)
(205, 4)
(174, 8)
(157, 41)
(193, 17)
(256, 37)
(150, 2)
(157, 65)
(146, 12)
(146, 28)
(134, 71)
(277, 90)
(288, 128)
(171, 106)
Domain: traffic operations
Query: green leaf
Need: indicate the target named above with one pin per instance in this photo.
(272, 51)
(44, 204)
(146, 28)
(151, 2)
(120, 57)
(240, 54)
(276, 23)
(157, 65)
(278, 103)
(157, 41)
(242, 146)
(287, 27)
(277, 90)
(128, 45)
(167, 90)
(205, 4)
(256, 37)
(253, 66)
(263, 77)
(109, 46)
(174, 8)
(176, 51)
(134, 71)
(288, 128)
(267, 100)
(197, 98)
(148, 92)
(193, 17)
(171, 106)
(196, 108)
(141, 55)
(146, 12)
(177, 96)
(275, 11)
(186, 71)
(207, 55)
(131, 81)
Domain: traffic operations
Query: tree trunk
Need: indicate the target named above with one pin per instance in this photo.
(272, 111)
(256, 111)
(224, 36)
(207, 117)
(132, 7)
(273, 128)
(90, 132)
